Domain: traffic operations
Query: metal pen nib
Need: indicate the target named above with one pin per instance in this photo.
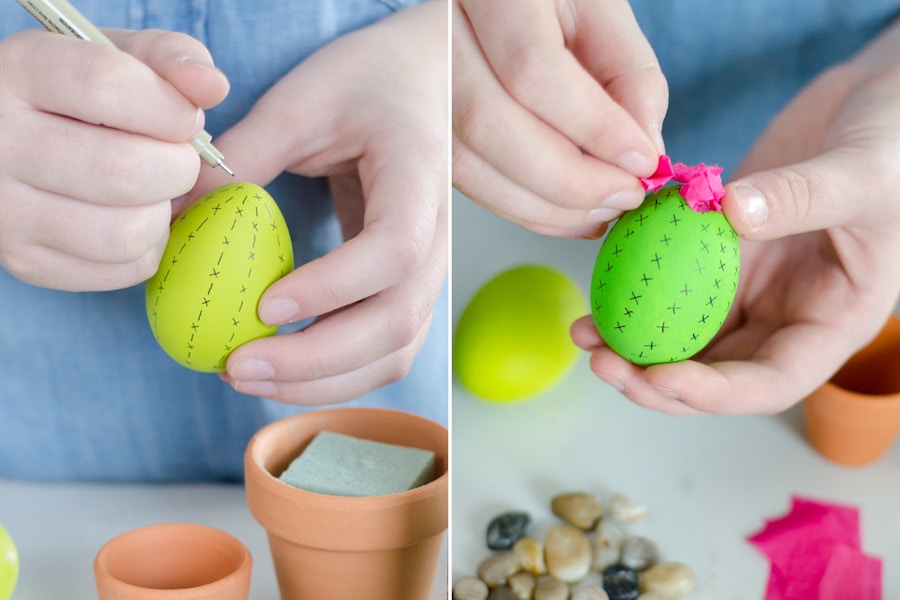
(209, 153)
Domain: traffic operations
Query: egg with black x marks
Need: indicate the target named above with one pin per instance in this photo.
(223, 252)
(664, 280)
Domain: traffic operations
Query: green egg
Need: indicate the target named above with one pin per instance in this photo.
(664, 280)
(512, 340)
(222, 254)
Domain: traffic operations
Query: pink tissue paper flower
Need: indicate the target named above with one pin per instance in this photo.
(702, 185)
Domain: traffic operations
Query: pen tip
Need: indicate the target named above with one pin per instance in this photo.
(226, 169)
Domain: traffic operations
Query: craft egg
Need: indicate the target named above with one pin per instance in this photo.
(664, 280)
(222, 254)
(512, 341)
(9, 564)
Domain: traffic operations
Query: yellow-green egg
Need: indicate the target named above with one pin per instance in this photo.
(222, 254)
(9, 564)
(512, 340)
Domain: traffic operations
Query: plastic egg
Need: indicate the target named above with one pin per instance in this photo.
(664, 280)
(512, 340)
(9, 564)
(222, 254)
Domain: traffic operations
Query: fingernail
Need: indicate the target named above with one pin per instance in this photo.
(199, 122)
(657, 138)
(263, 389)
(251, 369)
(637, 164)
(624, 200)
(279, 311)
(197, 61)
(668, 392)
(179, 204)
(602, 215)
(752, 206)
(587, 232)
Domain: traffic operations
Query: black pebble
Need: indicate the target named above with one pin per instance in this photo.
(620, 583)
(506, 529)
(502, 592)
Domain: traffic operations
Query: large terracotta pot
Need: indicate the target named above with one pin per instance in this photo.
(854, 418)
(173, 561)
(346, 548)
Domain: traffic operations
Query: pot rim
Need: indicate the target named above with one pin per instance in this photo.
(837, 396)
(240, 576)
(346, 522)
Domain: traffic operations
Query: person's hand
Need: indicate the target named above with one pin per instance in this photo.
(370, 112)
(557, 110)
(819, 270)
(94, 143)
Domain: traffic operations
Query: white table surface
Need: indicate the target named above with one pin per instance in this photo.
(708, 482)
(58, 528)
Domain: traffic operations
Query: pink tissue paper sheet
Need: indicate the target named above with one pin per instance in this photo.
(815, 553)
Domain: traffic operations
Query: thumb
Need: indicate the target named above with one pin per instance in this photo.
(813, 195)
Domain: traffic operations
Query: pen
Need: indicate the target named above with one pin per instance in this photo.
(61, 17)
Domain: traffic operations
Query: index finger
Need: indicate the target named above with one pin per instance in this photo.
(97, 84)
(524, 42)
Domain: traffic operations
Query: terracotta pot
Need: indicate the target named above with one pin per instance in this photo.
(173, 561)
(345, 548)
(854, 418)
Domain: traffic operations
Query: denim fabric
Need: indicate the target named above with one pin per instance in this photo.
(85, 392)
(732, 65)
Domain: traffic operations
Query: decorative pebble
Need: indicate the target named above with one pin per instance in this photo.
(502, 592)
(671, 579)
(522, 584)
(639, 553)
(567, 551)
(627, 510)
(578, 508)
(551, 589)
(498, 567)
(524, 568)
(531, 554)
(470, 588)
(621, 583)
(607, 542)
(505, 530)
(590, 593)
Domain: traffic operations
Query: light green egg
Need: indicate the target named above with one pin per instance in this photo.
(223, 252)
(9, 564)
(512, 340)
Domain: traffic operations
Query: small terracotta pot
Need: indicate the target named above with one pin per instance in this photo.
(173, 561)
(854, 418)
(343, 548)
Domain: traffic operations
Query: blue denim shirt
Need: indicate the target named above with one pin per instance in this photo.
(732, 65)
(85, 392)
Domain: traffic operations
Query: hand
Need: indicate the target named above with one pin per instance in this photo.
(557, 110)
(369, 111)
(93, 146)
(820, 271)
